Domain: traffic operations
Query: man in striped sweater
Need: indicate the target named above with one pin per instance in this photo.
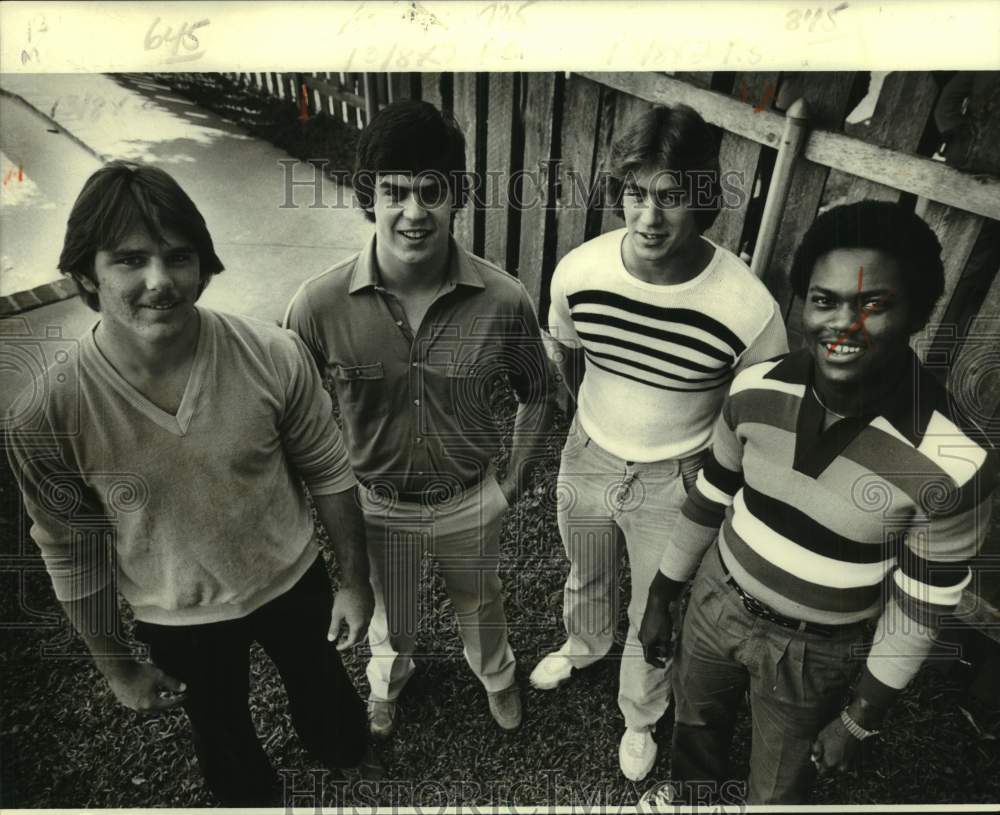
(660, 317)
(848, 489)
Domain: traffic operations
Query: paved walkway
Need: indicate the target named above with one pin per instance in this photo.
(59, 128)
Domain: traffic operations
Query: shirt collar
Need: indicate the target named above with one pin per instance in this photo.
(908, 409)
(462, 269)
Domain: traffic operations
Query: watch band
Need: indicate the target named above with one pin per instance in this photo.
(854, 728)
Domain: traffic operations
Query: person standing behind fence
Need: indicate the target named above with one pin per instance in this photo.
(652, 321)
(164, 463)
(844, 486)
(418, 335)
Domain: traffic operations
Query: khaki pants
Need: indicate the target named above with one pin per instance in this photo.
(463, 537)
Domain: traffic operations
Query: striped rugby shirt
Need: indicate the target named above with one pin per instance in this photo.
(659, 357)
(875, 516)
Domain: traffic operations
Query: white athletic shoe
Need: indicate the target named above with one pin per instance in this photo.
(636, 754)
(552, 671)
(660, 797)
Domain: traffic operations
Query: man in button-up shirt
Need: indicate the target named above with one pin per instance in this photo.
(420, 338)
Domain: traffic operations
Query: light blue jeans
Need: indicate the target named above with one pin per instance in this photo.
(599, 497)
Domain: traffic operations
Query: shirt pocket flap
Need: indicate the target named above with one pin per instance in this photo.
(370, 370)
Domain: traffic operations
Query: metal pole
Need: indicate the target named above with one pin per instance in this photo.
(792, 140)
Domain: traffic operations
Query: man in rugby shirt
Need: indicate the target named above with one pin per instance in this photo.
(847, 489)
(656, 318)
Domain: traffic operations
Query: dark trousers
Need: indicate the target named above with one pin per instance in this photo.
(214, 661)
(797, 683)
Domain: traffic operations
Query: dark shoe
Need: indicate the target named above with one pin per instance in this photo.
(381, 718)
(505, 706)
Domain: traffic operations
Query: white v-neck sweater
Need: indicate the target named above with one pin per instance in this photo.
(198, 517)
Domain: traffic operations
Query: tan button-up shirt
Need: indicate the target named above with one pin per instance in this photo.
(418, 409)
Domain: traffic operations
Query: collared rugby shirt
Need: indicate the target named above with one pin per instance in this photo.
(874, 516)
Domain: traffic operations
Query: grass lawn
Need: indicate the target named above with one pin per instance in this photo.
(64, 742)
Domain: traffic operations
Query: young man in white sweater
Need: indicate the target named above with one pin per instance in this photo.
(162, 462)
(653, 322)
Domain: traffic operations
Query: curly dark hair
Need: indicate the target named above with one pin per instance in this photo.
(409, 136)
(675, 138)
(119, 199)
(887, 227)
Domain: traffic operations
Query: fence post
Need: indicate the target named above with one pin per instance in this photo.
(792, 140)
(371, 95)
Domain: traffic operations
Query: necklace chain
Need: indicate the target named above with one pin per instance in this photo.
(823, 405)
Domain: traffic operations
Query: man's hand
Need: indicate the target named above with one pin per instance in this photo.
(352, 607)
(143, 687)
(834, 749)
(353, 604)
(656, 629)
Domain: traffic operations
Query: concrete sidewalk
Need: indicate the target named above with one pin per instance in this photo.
(77, 121)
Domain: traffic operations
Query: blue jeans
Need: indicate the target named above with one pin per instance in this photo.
(598, 497)
(797, 682)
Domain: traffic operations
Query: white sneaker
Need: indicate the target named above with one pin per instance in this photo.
(660, 797)
(552, 671)
(636, 754)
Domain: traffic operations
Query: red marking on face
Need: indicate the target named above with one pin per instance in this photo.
(858, 324)
(20, 173)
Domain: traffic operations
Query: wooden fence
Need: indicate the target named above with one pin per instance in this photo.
(539, 143)
(562, 123)
(349, 97)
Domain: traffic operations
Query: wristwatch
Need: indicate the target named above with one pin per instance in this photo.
(854, 728)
